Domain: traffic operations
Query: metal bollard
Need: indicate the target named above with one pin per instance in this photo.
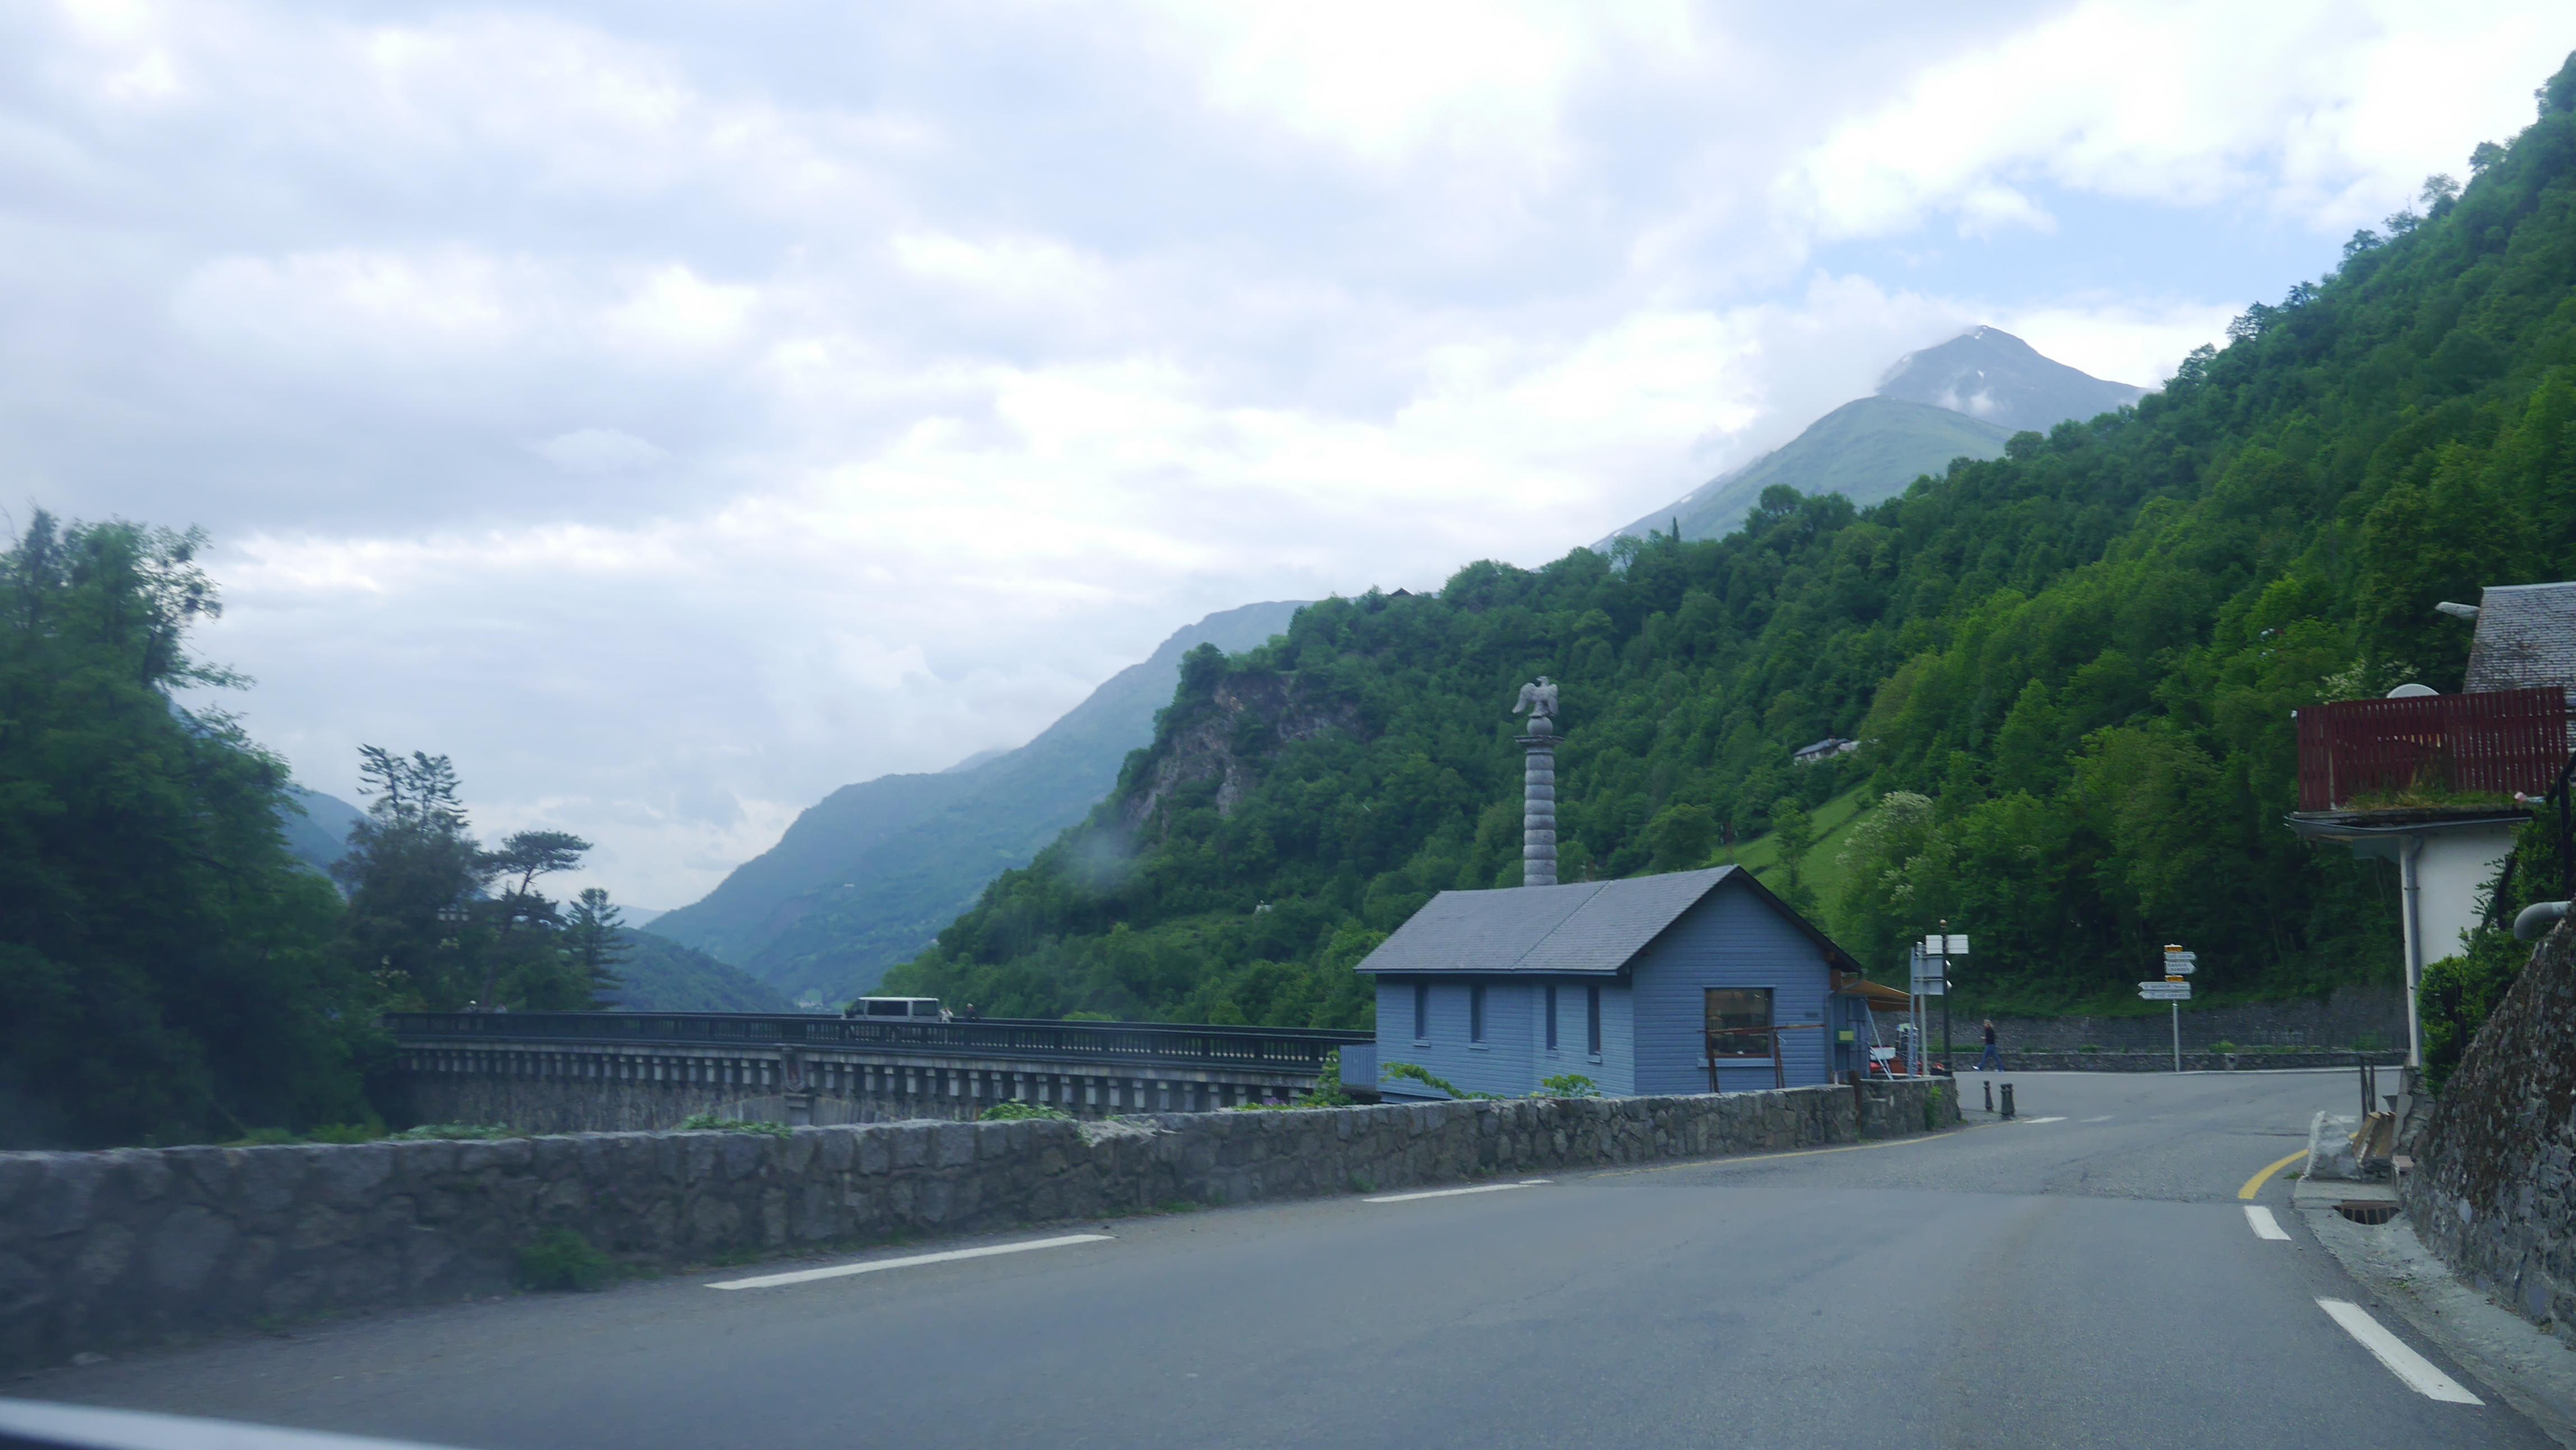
(2008, 1106)
(1990, 1095)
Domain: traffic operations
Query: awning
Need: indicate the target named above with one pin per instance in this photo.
(1880, 998)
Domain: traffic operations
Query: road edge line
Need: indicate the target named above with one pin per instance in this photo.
(2415, 1371)
(871, 1266)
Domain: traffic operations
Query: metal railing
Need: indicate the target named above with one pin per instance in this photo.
(1277, 1049)
(2494, 743)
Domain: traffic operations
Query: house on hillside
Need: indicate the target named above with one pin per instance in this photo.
(1825, 749)
(2439, 783)
(1629, 983)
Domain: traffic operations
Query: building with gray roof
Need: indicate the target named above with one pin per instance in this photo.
(2526, 639)
(1629, 983)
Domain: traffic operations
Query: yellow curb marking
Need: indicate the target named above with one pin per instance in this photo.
(2254, 1185)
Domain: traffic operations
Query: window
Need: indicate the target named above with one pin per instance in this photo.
(1592, 1018)
(1476, 1012)
(1551, 1016)
(1739, 1019)
(1422, 1011)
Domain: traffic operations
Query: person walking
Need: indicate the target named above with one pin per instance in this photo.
(1990, 1060)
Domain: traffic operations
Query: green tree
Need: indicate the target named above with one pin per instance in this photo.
(1681, 836)
(163, 962)
(1795, 833)
(595, 944)
(416, 881)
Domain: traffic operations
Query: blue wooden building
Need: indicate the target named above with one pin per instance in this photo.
(1621, 982)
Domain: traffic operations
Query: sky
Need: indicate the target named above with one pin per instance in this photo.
(673, 410)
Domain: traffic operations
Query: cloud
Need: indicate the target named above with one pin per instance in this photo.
(600, 450)
(675, 413)
(2315, 109)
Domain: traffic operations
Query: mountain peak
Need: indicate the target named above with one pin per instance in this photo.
(1989, 374)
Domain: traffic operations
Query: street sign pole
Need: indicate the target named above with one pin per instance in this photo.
(1945, 995)
(2175, 989)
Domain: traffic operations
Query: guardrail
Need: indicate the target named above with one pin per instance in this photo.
(1279, 1049)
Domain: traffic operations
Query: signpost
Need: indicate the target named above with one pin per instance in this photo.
(2174, 990)
(1931, 980)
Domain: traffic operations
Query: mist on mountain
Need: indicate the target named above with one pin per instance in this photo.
(867, 876)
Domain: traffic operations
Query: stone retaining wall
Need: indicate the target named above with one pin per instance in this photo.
(2351, 1017)
(2191, 1061)
(2494, 1187)
(135, 1246)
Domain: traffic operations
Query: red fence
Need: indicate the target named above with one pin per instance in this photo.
(2494, 743)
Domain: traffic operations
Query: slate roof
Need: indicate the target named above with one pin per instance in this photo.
(1589, 928)
(2526, 638)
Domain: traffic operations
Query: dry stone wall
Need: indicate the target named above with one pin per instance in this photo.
(104, 1250)
(2491, 1191)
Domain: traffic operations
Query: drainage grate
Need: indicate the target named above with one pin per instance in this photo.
(2360, 1211)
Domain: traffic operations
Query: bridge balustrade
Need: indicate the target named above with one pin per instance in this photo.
(1157, 1043)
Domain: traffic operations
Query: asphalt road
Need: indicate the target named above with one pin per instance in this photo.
(2083, 1277)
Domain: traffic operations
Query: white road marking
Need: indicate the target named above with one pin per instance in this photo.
(838, 1271)
(2061, 1117)
(1454, 1192)
(2265, 1225)
(2417, 1371)
(2106, 1117)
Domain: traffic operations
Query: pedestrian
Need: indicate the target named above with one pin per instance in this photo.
(1990, 1060)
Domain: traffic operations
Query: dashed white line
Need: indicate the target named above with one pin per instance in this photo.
(2034, 1122)
(1454, 1192)
(2265, 1225)
(871, 1266)
(2417, 1371)
(2106, 1117)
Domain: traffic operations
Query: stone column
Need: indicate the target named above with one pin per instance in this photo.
(1538, 803)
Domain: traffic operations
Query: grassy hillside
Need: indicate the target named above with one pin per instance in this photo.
(1821, 867)
(2074, 667)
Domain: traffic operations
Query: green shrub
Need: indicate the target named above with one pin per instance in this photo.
(709, 1122)
(1932, 1107)
(1423, 1075)
(1567, 1085)
(562, 1259)
(481, 1131)
(1014, 1110)
(2222, 1045)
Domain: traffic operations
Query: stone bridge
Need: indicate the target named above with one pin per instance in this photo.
(559, 1072)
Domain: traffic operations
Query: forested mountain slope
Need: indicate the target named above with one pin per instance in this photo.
(2081, 657)
(660, 975)
(867, 876)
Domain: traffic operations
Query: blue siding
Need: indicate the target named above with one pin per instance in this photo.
(1500, 1064)
(1730, 939)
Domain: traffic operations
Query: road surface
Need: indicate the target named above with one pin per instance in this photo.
(2086, 1276)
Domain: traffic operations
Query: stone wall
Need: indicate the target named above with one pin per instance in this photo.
(2016, 1061)
(2353, 1017)
(2491, 1191)
(136, 1246)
